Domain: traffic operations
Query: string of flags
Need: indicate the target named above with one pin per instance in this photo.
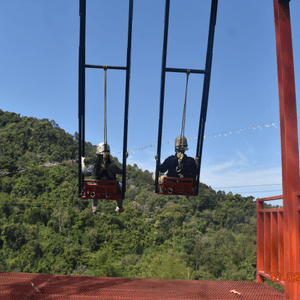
(219, 134)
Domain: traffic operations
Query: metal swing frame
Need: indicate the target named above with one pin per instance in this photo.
(96, 188)
(161, 188)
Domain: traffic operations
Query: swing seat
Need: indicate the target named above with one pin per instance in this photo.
(177, 186)
(100, 189)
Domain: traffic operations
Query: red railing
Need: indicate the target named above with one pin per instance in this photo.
(271, 253)
(270, 243)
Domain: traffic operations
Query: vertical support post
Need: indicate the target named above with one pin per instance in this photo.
(289, 139)
(274, 242)
(128, 68)
(267, 242)
(297, 220)
(162, 91)
(260, 240)
(81, 90)
(281, 243)
(206, 84)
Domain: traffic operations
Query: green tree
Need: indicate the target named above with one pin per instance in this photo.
(163, 265)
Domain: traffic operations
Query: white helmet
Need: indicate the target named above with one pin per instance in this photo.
(102, 147)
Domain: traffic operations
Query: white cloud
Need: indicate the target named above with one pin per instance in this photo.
(149, 164)
(258, 183)
(240, 177)
(220, 167)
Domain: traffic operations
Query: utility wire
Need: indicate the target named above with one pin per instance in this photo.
(219, 134)
(244, 186)
(261, 191)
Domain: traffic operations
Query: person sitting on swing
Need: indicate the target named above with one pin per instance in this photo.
(179, 165)
(103, 169)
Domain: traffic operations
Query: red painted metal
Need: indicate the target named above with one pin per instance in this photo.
(274, 242)
(177, 186)
(269, 242)
(289, 141)
(280, 243)
(16, 286)
(101, 189)
(259, 240)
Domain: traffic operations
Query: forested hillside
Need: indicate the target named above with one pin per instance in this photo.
(46, 228)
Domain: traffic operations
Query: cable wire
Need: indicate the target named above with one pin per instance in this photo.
(244, 186)
(219, 134)
(184, 107)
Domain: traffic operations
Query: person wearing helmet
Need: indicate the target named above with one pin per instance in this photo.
(103, 169)
(179, 165)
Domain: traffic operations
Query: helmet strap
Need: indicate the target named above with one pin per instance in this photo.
(104, 156)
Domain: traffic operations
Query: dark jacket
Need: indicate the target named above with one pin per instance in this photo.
(186, 169)
(99, 173)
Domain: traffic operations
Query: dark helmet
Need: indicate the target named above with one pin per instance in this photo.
(181, 143)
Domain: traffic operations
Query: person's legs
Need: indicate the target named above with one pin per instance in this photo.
(161, 181)
(94, 205)
(119, 207)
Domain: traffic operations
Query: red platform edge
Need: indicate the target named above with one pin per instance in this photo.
(16, 286)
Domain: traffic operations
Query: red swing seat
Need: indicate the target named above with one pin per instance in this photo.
(177, 186)
(100, 189)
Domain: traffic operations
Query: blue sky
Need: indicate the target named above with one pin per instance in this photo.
(39, 78)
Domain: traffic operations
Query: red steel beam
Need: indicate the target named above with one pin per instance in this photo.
(280, 243)
(260, 243)
(274, 241)
(269, 198)
(267, 242)
(289, 139)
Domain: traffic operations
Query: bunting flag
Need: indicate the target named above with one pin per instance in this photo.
(225, 133)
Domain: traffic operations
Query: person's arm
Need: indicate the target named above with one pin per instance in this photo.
(115, 169)
(86, 171)
(165, 166)
(119, 170)
(192, 167)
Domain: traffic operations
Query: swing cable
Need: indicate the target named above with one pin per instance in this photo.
(184, 107)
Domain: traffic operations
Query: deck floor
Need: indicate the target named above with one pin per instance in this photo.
(16, 286)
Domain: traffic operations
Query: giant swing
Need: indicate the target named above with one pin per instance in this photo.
(101, 189)
(93, 189)
(278, 230)
(185, 186)
(89, 189)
